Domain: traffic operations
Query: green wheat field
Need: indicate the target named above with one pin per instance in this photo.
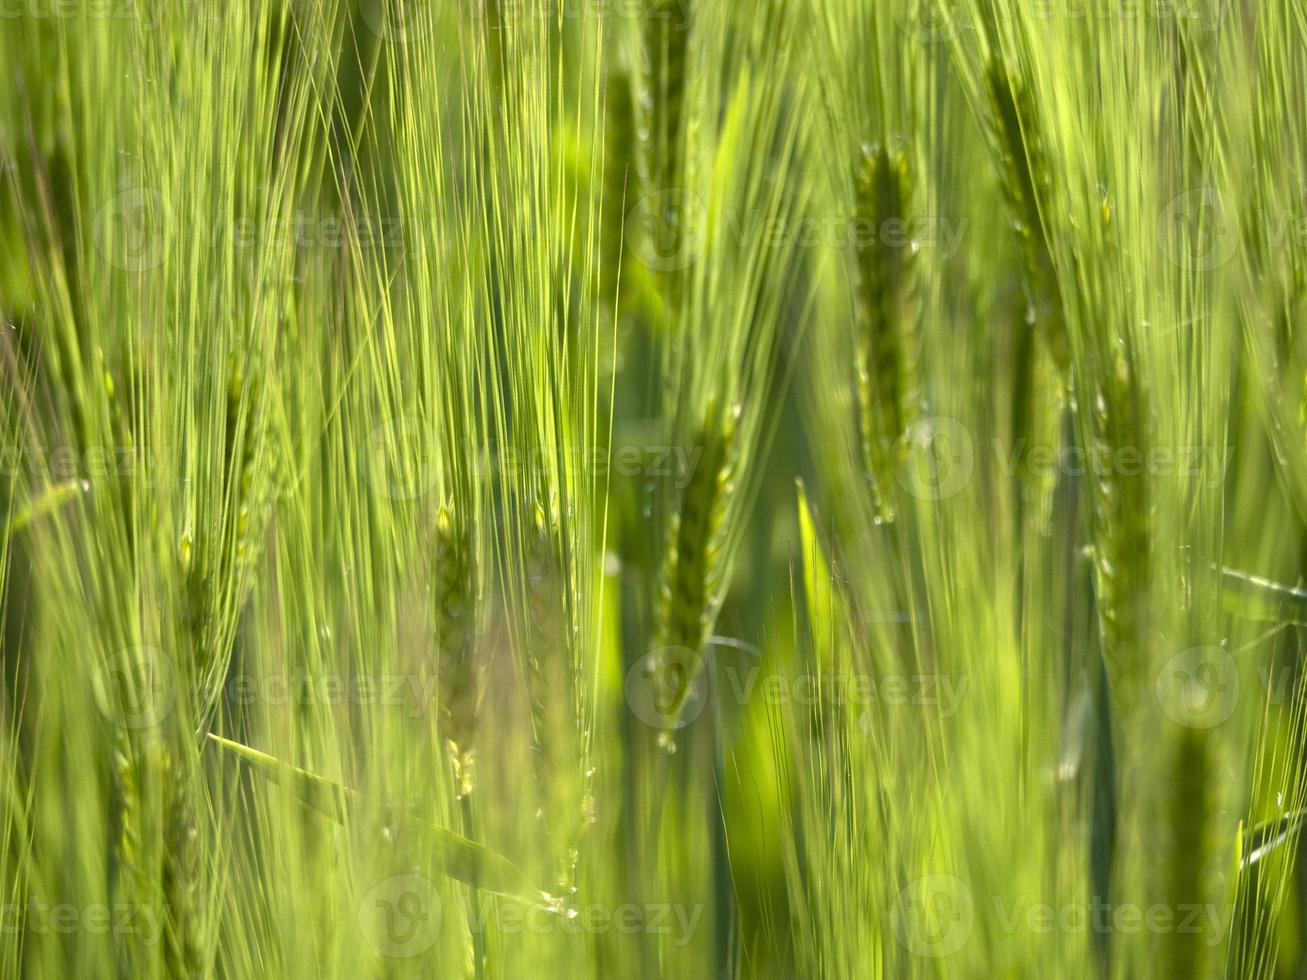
(700, 489)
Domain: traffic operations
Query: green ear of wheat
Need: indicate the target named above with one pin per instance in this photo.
(888, 340)
(665, 47)
(461, 673)
(692, 576)
(1025, 172)
(556, 688)
(1043, 361)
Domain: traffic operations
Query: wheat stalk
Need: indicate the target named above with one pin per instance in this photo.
(665, 42)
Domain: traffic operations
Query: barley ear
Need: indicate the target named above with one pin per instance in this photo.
(135, 829)
(181, 869)
(666, 48)
(460, 672)
(1044, 352)
(1121, 523)
(214, 557)
(1025, 173)
(156, 846)
(556, 690)
(693, 576)
(242, 453)
(888, 341)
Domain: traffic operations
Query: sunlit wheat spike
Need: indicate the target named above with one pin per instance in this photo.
(1121, 521)
(1044, 357)
(182, 885)
(214, 556)
(157, 847)
(888, 354)
(130, 846)
(136, 828)
(1011, 115)
(460, 670)
(692, 579)
(551, 677)
(555, 684)
(1025, 174)
(242, 445)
